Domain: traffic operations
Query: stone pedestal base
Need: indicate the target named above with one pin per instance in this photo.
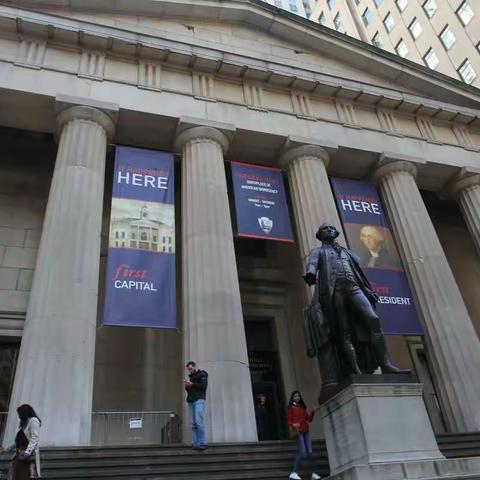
(380, 430)
(454, 469)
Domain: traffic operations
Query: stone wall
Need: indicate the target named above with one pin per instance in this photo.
(25, 171)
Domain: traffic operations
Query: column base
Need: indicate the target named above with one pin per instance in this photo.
(451, 469)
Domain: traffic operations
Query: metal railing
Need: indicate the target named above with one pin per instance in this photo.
(135, 428)
(128, 428)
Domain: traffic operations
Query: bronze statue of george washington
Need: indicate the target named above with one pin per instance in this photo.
(342, 327)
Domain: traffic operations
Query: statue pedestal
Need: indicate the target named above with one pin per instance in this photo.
(377, 428)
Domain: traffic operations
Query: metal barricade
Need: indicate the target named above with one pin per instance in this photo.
(135, 428)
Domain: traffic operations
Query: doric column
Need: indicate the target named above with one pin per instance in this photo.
(312, 198)
(56, 362)
(452, 341)
(466, 190)
(213, 327)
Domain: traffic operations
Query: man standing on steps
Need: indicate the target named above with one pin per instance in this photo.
(196, 387)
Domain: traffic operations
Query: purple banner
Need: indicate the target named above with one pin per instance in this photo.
(140, 290)
(260, 203)
(369, 235)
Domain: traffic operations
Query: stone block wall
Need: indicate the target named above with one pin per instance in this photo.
(25, 171)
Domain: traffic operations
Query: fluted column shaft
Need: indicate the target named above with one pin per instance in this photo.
(213, 326)
(312, 198)
(467, 192)
(56, 361)
(453, 344)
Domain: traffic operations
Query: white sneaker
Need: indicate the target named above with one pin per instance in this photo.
(316, 477)
(295, 476)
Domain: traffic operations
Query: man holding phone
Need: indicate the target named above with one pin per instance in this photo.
(196, 387)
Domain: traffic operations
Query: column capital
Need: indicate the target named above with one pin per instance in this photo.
(193, 129)
(76, 108)
(301, 151)
(467, 178)
(296, 147)
(396, 162)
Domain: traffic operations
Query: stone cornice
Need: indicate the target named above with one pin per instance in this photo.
(264, 17)
(118, 41)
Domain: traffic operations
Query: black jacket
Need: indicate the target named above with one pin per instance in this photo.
(198, 390)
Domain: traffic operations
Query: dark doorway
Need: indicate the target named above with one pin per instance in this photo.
(266, 377)
(8, 364)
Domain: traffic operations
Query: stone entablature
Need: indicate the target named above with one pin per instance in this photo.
(101, 53)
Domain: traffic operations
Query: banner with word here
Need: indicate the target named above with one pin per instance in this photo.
(140, 289)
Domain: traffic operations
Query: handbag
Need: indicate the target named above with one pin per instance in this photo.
(292, 433)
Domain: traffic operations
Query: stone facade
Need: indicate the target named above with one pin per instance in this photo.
(236, 81)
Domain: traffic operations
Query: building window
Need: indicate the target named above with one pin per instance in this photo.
(378, 2)
(447, 37)
(338, 21)
(430, 7)
(133, 235)
(465, 13)
(117, 235)
(367, 16)
(293, 6)
(401, 4)
(389, 22)
(143, 236)
(321, 19)
(377, 41)
(415, 28)
(331, 4)
(402, 48)
(431, 59)
(467, 72)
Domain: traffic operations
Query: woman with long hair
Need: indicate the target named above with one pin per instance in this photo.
(298, 420)
(26, 462)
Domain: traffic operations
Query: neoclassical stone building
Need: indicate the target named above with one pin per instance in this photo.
(214, 82)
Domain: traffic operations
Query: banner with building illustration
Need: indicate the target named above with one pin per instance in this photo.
(140, 289)
(260, 203)
(369, 235)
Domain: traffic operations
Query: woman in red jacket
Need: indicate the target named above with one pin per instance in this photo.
(298, 420)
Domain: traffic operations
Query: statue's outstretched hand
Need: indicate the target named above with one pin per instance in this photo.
(310, 278)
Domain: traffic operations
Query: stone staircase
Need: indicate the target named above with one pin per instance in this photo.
(266, 460)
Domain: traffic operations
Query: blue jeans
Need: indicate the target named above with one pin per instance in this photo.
(197, 418)
(304, 443)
